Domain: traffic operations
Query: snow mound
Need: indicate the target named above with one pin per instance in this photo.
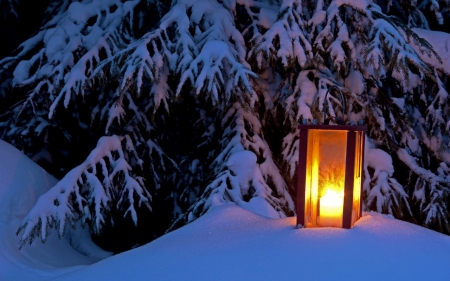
(230, 243)
(21, 182)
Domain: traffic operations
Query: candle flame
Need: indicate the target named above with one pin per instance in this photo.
(332, 198)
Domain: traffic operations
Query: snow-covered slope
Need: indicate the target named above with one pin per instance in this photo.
(230, 243)
(21, 183)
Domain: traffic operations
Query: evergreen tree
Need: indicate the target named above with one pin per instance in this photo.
(153, 112)
(427, 14)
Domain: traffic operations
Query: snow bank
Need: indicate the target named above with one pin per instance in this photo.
(21, 182)
(230, 243)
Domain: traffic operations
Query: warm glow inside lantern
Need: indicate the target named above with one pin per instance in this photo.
(329, 175)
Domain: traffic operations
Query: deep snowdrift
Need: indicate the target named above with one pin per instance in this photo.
(21, 183)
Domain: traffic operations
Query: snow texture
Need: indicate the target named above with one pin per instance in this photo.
(229, 237)
(21, 183)
(238, 176)
(225, 237)
(441, 44)
(66, 202)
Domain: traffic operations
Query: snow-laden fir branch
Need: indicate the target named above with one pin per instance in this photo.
(435, 188)
(75, 41)
(88, 191)
(410, 12)
(286, 40)
(244, 172)
(306, 102)
(382, 190)
(385, 38)
(196, 40)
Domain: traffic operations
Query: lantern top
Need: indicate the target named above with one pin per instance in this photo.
(349, 128)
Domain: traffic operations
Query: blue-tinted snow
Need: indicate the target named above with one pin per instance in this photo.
(21, 183)
(228, 243)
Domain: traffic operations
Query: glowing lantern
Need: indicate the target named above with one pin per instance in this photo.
(330, 175)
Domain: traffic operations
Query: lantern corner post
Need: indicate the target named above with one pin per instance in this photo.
(301, 182)
(363, 149)
(349, 180)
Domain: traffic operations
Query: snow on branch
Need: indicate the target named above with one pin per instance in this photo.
(437, 114)
(87, 192)
(286, 40)
(220, 64)
(297, 107)
(244, 172)
(382, 190)
(197, 40)
(299, 38)
(216, 71)
(388, 40)
(411, 12)
(257, 14)
(306, 102)
(151, 58)
(430, 192)
(333, 34)
(433, 5)
(75, 41)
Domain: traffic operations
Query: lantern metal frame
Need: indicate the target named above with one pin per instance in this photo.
(355, 140)
(351, 151)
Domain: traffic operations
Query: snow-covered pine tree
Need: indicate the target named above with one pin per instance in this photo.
(354, 46)
(188, 37)
(241, 169)
(198, 104)
(109, 179)
(434, 14)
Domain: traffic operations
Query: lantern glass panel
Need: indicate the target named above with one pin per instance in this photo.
(325, 178)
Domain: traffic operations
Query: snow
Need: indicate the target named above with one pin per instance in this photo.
(308, 92)
(379, 160)
(243, 165)
(441, 45)
(267, 17)
(355, 82)
(21, 182)
(56, 206)
(227, 243)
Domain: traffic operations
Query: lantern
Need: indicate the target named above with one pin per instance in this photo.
(330, 175)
